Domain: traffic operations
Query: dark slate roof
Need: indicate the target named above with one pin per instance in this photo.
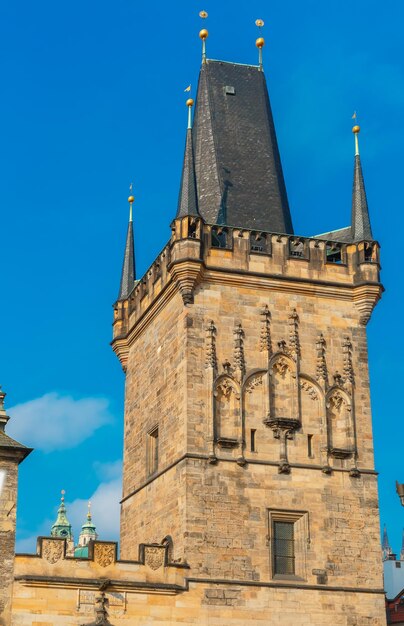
(343, 235)
(11, 445)
(128, 267)
(361, 228)
(187, 200)
(238, 169)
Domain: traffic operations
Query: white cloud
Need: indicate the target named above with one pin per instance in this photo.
(57, 422)
(105, 509)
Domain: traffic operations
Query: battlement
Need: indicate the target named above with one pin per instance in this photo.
(253, 258)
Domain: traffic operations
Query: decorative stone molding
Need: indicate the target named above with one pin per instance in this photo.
(294, 341)
(321, 369)
(265, 338)
(104, 553)
(225, 386)
(186, 275)
(239, 358)
(211, 357)
(348, 366)
(311, 390)
(154, 556)
(254, 382)
(101, 611)
(53, 550)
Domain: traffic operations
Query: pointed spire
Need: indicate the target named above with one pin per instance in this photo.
(187, 200)
(360, 222)
(62, 527)
(128, 268)
(386, 549)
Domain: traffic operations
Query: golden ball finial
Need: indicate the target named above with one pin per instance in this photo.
(356, 129)
(260, 43)
(190, 102)
(203, 34)
(131, 199)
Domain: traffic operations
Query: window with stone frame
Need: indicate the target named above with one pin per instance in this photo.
(152, 451)
(289, 540)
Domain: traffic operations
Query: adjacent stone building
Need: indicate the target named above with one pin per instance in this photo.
(249, 488)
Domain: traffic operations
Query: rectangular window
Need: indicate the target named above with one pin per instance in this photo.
(288, 541)
(252, 440)
(284, 548)
(152, 451)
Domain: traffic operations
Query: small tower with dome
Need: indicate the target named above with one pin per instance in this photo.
(88, 533)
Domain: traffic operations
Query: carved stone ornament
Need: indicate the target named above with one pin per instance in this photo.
(294, 341)
(154, 557)
(337, 400)
(281, 366)
(52, 551)
(211, 358)
(104, 553)
(239, 359)
(225, 388)
(101, 612)
(265, 339)
(253, 383)
(348, 366)
(304, 384)
(321, 369)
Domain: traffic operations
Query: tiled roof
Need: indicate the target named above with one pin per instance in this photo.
(238, 169)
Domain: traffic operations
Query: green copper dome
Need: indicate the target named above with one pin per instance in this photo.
(62, 527)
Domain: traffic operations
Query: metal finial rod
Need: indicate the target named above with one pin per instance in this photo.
(204, 51)
(356, 130)
(260, 43)
(204, 34)
(131, 200)
(190, 104)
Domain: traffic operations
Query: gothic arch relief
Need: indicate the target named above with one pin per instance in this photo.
(284, 402)
(313, 421)
(255, 409)
(312, 405)
(227, 414)
(341, 435)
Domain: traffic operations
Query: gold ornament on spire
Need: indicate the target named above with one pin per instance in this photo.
(131, 198)
(63, 495)
(260, 42)
(203, 34)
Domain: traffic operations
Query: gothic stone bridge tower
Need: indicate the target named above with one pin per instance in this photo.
(248, 436)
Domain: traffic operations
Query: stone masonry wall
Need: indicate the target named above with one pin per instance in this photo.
(8, 498)
(155, 396)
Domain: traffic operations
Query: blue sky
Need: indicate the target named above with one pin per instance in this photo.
(93, 98)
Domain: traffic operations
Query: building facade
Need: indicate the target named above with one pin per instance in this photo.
(249, 488)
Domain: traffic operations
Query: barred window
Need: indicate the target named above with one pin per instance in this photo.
(284, 548)
(288, 542)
